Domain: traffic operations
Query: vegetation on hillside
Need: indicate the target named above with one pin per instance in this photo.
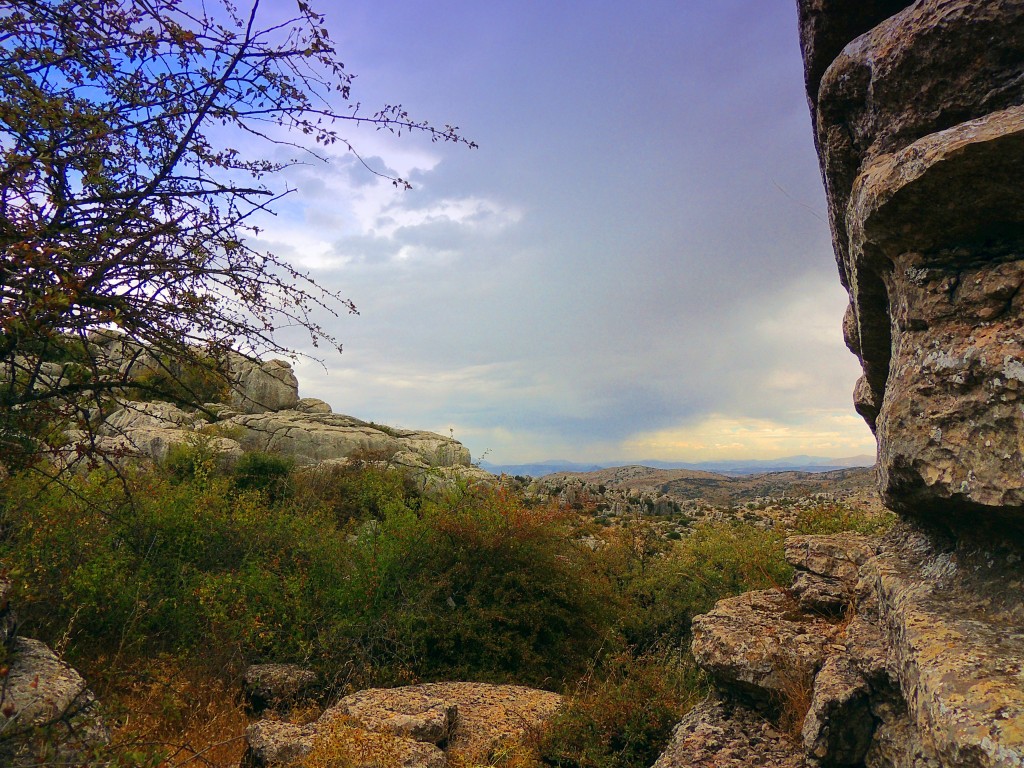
(161, 585)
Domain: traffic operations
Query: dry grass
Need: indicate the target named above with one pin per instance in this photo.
(513, 753)
(167, 714)
(794, 702)
(342, 744)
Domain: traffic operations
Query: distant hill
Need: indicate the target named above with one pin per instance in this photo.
(733, 467)
(688, 485)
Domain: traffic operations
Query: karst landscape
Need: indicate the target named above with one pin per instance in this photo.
(199, 566)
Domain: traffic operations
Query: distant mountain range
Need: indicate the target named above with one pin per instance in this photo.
(731, 467)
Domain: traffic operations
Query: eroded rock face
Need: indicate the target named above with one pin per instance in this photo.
(261, 386)
(311, 438)
(759, 644)
(723, 734)
(920, 130)
(922, 667)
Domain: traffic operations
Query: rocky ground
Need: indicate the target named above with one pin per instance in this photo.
(673, 499)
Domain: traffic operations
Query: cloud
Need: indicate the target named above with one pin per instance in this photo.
(635, 261)
(717, 436)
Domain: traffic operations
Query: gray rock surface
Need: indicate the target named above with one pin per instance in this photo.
(412, 715)
(403, 726)
(261, 386)
(926, 669)
(277, 687)
(266, 414)
(953, 622)
(761, 645)
(919, 125)
(47, 713)
(827, 568)
(839, 724)
(311, 438)
(722, 734)
(273, 743)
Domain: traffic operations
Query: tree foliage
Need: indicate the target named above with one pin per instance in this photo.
(126, 201)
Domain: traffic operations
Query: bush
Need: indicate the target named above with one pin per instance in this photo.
(479, 587)
(836, 517)
(268, 473)
(367, 486)
(623, 716)
(715, 560)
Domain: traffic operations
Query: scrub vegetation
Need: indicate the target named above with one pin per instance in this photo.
(162, 584)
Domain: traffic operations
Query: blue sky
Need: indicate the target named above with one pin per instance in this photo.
(634, 264)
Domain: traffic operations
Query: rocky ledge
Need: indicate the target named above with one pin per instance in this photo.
(903, 651)
(261, 411)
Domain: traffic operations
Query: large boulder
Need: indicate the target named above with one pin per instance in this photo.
(827, 569)
(919, 118)
(260, 386)
(47, 714)
(760, 645)
(278, 687)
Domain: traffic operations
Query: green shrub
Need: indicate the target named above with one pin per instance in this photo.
(479, 587)
(836, 517)
(363, 487)
(268, 473)
(622, 715)
(714, 560)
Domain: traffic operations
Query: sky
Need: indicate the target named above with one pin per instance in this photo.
(634, 264)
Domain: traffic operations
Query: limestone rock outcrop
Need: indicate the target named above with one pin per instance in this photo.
(410, 725)
(260, 386)
(921, 665)
(263, 412)
(311, 438)
(47, 713)
(256, 407)
(719, 733)
(761, 644)
(919, 118)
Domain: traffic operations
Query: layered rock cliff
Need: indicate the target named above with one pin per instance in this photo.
(909, 650)
(258, 408)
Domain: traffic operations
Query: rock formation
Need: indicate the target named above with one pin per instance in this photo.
(278, 688)
(908, 651)
(47, 714)
(418, 725)
(919, 118)
(262, 411)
